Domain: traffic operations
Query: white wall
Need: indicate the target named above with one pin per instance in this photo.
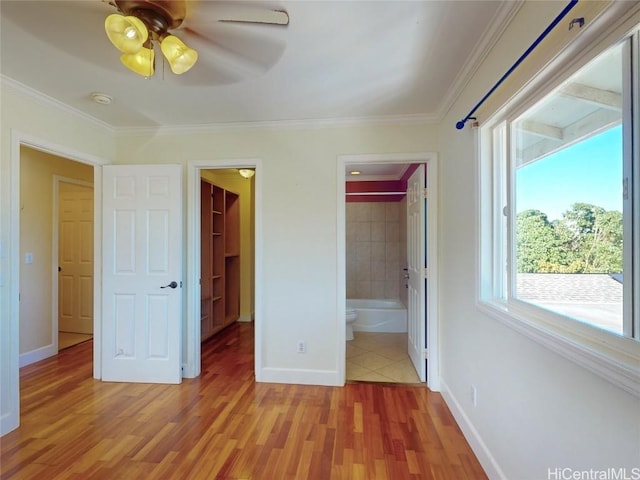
(535, 409)
(299, 235)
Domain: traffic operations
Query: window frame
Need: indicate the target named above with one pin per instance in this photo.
(614, 357)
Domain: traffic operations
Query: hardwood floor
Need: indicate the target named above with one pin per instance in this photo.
(223, 425)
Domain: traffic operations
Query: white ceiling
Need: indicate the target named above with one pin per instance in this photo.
(344, 59)
(335, 60)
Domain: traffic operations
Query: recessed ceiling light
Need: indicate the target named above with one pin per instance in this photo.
(355, 172)
(101, 98)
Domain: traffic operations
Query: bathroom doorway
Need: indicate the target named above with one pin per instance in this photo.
(377, 236)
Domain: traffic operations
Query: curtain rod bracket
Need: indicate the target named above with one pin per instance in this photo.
(563, 13)
(461, 123)
(579, 21)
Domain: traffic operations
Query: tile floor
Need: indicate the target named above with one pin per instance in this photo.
(380, 357)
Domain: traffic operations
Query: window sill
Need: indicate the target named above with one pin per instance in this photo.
(614, 358)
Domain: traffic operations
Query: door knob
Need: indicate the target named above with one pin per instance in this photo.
(171, 285)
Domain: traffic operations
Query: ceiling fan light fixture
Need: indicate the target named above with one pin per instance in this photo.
(141, 62)
(127, 33)
(180, 57)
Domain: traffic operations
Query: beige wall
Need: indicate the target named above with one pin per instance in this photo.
(374, 246)
(37, 170)
(229, 179)
(299, 175)
(43, 123)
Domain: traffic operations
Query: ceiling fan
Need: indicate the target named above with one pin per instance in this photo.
(139, 23)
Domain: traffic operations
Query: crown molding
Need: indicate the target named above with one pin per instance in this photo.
(381, 120)
(384, 120)
(501, 21)
(48, 101)
(507, 11)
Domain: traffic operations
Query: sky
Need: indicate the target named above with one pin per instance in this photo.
(589, 172)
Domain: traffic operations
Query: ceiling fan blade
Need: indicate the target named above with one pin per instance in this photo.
(202, 12)
(253, 15)
(238, 54)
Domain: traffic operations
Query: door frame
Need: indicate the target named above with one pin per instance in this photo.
(55, 287)
(11, 420)
(430, 159)
(191, 343)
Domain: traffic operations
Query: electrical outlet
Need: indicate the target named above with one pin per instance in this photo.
(302, 346)
(474, 396)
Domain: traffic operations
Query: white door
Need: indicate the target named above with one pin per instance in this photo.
(416, 250)
(142, 268)
(75, 258)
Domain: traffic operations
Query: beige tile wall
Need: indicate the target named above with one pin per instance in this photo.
(376, 234)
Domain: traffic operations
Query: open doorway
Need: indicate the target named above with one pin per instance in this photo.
(388, 252)
(227, 248)
(56, 224)
(227, 222)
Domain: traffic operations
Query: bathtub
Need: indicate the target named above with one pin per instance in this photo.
(378, 315)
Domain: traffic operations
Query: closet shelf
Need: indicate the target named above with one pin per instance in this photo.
(220, 232)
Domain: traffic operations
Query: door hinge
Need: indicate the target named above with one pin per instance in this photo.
(425, 193)
(625, 188)
(425, 272)
(425, 353)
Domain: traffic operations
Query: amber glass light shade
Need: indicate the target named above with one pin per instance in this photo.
(180, 57)
(127, 34)
(141, 62)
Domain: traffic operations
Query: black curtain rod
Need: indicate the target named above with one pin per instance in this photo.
(565, 11)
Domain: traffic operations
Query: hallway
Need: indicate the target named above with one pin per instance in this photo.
(224, 425)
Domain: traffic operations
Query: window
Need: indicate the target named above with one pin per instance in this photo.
(559, 188)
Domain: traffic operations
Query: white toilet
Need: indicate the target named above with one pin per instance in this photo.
(351, 316)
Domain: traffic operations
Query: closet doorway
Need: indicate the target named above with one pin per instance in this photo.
(227, 248)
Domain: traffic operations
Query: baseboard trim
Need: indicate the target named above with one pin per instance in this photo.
(486, 459)
(299, 376)
(246, 318)
(38, 354)
(9, 422)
